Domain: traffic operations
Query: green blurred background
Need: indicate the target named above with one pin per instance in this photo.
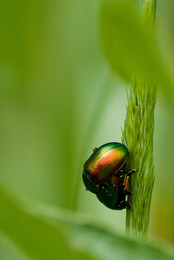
(58, 100)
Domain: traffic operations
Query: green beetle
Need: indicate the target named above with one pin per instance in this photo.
(104, 174)
(105, 161)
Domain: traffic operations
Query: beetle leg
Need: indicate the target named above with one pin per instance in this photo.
(132, 171)
(94, 149)
(122, 172)
(124, 205)
(127, 178)
(128, 192)
(127, 205)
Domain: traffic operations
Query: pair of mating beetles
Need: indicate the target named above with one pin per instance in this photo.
(104, 174)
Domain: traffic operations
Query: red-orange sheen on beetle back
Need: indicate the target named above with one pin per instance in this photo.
(107, 160)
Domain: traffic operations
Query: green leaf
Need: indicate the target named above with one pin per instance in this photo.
(37, 238)
(44, 232)
(89, 235)
(131, 48)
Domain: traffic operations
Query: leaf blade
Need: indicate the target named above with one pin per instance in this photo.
(44, 232)
(101, 242)
(36, 237)
(132, 48)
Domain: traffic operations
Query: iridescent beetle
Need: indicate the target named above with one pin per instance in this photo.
(105, 176)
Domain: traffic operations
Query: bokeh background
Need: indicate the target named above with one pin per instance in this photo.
(59, 99)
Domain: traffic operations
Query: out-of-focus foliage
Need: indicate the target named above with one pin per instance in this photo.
(58, 100)
(131, 47)
(47, 233)
(37, 238)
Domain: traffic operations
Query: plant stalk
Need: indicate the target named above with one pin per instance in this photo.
(138, 136)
